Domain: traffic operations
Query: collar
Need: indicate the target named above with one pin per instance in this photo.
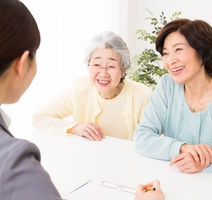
(5, 117)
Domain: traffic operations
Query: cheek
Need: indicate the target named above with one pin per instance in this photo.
(35, 71)
(165, 63)
(91, 74)
(116, 77)
(33, 68)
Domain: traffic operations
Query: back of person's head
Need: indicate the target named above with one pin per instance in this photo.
(198, 34)
(18, 32)
(110, 40)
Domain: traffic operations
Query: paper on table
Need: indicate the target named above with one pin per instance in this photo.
(101, 190)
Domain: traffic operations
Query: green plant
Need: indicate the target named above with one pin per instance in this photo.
(145, 67)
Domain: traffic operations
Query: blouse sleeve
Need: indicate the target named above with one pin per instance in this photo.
(148, 138)
(51, 117)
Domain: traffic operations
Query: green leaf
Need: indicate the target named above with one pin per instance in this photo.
(146, 66)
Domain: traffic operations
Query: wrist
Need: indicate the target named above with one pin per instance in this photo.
(183, 148)
(72, 129)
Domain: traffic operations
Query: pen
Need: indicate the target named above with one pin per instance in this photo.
(150, 188)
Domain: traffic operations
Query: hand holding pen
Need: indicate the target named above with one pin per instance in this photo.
(150, 191)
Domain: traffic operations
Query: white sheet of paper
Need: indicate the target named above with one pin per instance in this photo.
(94, 191)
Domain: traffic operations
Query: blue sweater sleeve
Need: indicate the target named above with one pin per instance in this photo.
(208, 169)
(148, 138)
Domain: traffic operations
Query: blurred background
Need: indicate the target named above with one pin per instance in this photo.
(66, 27)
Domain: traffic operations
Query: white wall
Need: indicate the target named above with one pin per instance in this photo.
(190, 9)
(63, 40)
(66, 26)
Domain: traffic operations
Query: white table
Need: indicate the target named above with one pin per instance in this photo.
(72, 160)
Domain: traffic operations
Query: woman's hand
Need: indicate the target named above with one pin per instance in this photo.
(193, 158)
(143, 194)
(186, 163)
(89, 130)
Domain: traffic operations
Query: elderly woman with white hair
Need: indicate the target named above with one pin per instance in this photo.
(102, 104)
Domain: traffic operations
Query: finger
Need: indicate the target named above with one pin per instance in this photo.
(192, 169)
(140, 187)
(148, 184)
(176, 159)
(196, 153)
(97, 130)
(200, 157)
(156, 184)
(184, 162)
(193, 149)
(205, 157)
(89, 133)
(187, 171)
(140, 190)
(209, 149)
(188, 164)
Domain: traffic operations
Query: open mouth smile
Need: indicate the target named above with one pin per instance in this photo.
(177, 70)
(103, 82)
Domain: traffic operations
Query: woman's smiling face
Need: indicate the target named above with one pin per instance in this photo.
(180, 59)
(105, 70)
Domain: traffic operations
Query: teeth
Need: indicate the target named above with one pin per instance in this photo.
(177, 69)
(103, 81)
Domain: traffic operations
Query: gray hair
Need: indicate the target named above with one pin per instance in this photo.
(113, 41)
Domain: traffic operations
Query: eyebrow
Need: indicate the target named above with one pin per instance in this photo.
(113, 59)
(176, 45)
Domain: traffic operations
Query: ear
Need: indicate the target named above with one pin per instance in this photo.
(123, 74)
(22, 64)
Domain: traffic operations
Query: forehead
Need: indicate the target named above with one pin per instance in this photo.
(105, 54)
(174, 39)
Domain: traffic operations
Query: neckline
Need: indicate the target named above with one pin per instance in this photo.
(187, 106)
(115, 99)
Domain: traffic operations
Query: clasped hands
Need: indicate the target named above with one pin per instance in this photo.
(193, 158)
(90, 130)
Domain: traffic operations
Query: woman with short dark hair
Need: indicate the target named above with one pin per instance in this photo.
(180, 108)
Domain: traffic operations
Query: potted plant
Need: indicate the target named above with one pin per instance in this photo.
(146, 67)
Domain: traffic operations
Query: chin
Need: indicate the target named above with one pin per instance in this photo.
(13, 101)
(178, 80)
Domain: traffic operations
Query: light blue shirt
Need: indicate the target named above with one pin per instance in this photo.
(168, 112)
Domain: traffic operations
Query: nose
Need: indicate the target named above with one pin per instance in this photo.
(103, 71)
(172, 59)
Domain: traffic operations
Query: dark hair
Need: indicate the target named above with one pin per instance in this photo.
(18, 32)
(198, 34)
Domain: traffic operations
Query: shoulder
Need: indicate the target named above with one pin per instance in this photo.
(81, 84)
(167, 89)
(20, 162)
(167, 83)
(137, 88)
(15, 148)
(166, 79)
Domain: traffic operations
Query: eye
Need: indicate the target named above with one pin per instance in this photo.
(178, 49)
(96, 65)
(164, 53)
(111, 67)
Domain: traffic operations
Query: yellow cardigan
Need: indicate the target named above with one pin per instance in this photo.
(81, 102)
